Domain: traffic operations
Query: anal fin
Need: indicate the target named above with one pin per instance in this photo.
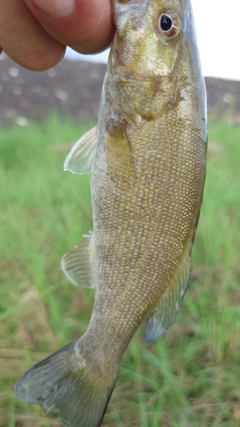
(164, 313)
(78, 264)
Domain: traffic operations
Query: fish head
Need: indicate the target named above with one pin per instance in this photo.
(154, 63)
(152, 36)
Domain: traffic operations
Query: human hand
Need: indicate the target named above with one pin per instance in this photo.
(35, 33)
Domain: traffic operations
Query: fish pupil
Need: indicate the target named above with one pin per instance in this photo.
(166, 23)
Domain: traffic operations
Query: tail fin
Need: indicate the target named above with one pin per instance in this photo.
(64, 384)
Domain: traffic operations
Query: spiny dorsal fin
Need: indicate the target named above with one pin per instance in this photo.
(78, 264)
(163, 315)
(81, 157)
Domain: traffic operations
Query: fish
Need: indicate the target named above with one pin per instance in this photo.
(147, 156)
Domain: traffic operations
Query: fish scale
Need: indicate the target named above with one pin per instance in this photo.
(147, 156)
(164, 235)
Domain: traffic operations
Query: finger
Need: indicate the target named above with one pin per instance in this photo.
(25, 40)
(84, 25)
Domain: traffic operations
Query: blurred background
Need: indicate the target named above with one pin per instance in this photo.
(190, 378)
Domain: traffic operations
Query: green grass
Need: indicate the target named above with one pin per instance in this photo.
(190, 378)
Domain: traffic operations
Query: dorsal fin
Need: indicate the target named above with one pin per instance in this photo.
(78, 264)
(81, 157)
(163, 315)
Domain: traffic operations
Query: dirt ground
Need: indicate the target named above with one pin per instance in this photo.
(73, 89)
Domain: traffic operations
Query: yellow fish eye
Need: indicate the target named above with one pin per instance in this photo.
(169, 24)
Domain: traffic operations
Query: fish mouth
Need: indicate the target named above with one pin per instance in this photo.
(118, 70)
(121, 6)
(125, 77)
(117, 76)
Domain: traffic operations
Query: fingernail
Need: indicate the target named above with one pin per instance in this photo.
(56, 8)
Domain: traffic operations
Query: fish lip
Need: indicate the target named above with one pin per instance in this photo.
(118, 73)
(126, 77)
(121, 77)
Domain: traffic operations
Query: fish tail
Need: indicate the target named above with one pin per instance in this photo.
(66, 384)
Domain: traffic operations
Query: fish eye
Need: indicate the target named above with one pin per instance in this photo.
(166, 23)
(169, 24)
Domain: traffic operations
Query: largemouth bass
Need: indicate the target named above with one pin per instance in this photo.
(147, 156)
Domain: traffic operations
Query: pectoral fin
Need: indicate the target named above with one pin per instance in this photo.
(78, 264)
(81, 157)
(163, 315)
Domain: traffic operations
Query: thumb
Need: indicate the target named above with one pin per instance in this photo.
(84, 25)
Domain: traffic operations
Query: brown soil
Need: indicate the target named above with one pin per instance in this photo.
(73, 89)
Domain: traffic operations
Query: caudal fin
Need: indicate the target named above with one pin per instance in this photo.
(64, 384)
